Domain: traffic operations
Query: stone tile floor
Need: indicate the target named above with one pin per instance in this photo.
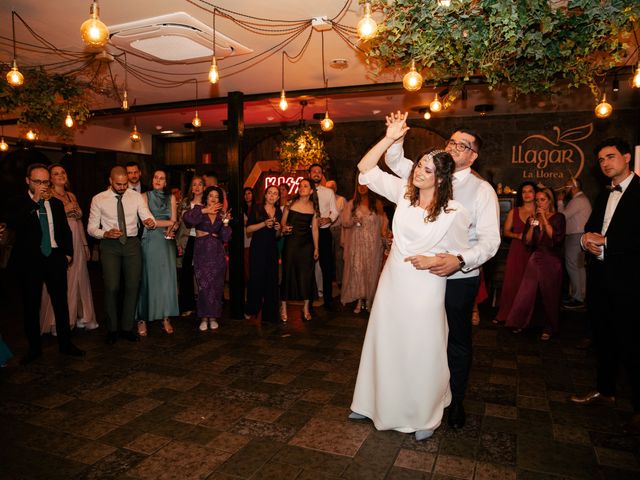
(271, 402)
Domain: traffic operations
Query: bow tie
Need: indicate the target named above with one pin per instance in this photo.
(617, 188)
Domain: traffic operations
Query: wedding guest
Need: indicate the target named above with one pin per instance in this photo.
(544, 234)
(363, 249)
(113, 219)
(336, 233)
(248, 197)
(209, 264)
(403, 379)
(79, 296)
(612, 241)
(134, 175)
(186, 242)
(42, 252)
(300, 225)
(284, 195)
(158, 298)
(518, 255)
(264, 226)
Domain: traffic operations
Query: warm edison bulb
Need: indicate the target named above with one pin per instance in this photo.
(603, 109)
(196, 122)
(214, 76)
(427, 115)
(444, 3)
(326, 124)
(68, 121)
(412, 81)
(636, 78)
(367, 27)
(135, 136)
(94, 33)
(14, 77)
(283, 101)
(435, 105)
(31, 135)
(4, 146)
(125, 101)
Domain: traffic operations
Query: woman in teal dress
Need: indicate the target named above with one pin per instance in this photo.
(159, 287)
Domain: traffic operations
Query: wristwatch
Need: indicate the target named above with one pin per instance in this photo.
(461, 260)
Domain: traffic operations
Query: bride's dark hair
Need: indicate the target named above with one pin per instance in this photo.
(444, 168)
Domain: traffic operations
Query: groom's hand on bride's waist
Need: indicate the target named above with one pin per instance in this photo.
(444, 264)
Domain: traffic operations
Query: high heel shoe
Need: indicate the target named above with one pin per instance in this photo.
(167, 327)
(142, 328)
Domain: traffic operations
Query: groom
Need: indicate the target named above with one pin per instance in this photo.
(463, 269)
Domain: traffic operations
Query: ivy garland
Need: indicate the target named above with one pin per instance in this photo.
(530, 46)
(44, 100)
(301, 148)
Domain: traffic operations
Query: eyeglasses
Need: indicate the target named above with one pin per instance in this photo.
(460, 147)
(46, 183)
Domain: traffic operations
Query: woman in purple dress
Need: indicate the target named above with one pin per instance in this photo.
(544, 235)
(518, 255)
(209, 264)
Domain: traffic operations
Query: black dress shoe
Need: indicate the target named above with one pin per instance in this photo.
(131, 336)
(457, 417)
(112, 337)
(72, 350)
(30, 357)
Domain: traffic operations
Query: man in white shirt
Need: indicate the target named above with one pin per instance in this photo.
(462, 270)
(113, 219)
(576, 213)
(328, 214)
(612, 240)
(336, 232)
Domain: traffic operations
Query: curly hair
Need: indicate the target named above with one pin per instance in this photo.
(208, 190)
(313, 197)
(444, 168)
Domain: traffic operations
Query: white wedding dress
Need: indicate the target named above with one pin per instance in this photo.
(403, 378)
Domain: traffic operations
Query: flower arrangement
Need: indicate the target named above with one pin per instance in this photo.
(301, 148)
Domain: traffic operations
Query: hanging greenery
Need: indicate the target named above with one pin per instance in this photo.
(44, 100)
(531, 46)
(301, 148)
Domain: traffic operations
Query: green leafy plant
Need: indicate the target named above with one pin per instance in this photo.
(531, 46)
(300, 148)
(44, 100)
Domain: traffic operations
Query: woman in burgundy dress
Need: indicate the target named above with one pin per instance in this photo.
(544, 235)
(518, 253)
(209, 264)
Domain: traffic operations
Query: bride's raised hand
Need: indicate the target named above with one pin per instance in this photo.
(396, 125)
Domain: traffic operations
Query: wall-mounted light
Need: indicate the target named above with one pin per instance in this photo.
(4, 146)
(604, 108)
(412, 81)
(435, 104)
(94, 33)
(14, 77)
(426, 115)
(367, 26)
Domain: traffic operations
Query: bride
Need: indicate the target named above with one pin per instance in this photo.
(403, 378)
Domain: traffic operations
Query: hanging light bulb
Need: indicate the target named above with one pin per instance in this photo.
(94, 33)
(135, 135)
(427, 115)
(603, 109)
(326, 124)
(69, 120)
(435, 105)
(283, 101)
(31, 135)
(367, 27)
(412, 81)
(214, 76)
(196, 122)
(4, 146)
(125, 101)
(14, 77)
(636, 78)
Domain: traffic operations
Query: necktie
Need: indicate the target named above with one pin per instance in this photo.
(45, 241)
(617, 188)
(122, 226)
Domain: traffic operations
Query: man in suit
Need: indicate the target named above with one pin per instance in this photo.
(612, 240)
(42, 252)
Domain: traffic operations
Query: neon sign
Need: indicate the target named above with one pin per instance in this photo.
(277, 180)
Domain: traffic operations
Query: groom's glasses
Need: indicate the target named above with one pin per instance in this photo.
(460, 147)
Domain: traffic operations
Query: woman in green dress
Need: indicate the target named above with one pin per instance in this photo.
(159, 287)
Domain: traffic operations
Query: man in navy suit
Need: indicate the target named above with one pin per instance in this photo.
(42, 252)
(612, 240)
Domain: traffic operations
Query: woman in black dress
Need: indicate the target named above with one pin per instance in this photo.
(263, 225)
(300, 225)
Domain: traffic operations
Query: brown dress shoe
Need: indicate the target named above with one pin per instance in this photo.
(593, 397)
(633, 427)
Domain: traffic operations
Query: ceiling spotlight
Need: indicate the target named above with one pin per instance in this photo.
(367, 27)
(69, 120)
(636, 78)
(412, 81)
(435, 105)
(4, 146)
(196, 122)
(135, 135)
(31, 135)
(283, 101)
(604, 108)
(94, 33)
